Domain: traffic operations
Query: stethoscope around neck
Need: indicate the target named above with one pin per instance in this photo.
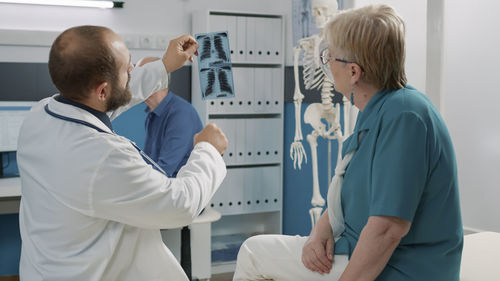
(84, 123)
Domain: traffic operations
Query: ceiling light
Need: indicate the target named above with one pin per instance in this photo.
(73, 3)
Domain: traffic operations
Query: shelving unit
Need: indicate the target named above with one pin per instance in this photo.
(250, 198)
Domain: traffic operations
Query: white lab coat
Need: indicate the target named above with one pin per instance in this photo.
(92, 208)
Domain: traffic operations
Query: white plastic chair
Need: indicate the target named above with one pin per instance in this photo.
(481, 257)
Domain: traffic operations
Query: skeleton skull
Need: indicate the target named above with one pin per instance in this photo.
(323, 11)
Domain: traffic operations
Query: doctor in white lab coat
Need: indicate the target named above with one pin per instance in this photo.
(91, 206)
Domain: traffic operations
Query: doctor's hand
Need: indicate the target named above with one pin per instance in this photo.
(213, 135)
(317, 253)
(179, 51)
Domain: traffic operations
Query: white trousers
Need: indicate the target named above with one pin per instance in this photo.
(279, 258)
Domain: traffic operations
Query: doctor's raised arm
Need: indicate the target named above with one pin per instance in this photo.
(154, 76)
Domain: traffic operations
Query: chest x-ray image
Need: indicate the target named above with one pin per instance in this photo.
(214, 65)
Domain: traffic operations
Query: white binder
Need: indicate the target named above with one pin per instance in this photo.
(251, 134)
(250, 39)
(231, 34)
(240, 148)
(237, 190)
(277, 90)
(260, 89)
(276, 30)
(271, 175)
(260, 38)
(241, 39)
(268, 82)
(227, 126)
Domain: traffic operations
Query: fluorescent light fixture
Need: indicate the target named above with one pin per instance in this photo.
(73, 3)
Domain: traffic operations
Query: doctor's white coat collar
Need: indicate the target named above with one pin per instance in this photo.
(74, 112)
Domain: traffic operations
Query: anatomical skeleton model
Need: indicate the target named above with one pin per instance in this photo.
(315, 78)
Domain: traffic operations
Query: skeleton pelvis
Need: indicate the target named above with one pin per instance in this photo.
(317, 111)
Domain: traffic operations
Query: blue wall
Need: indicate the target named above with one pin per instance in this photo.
(10, 244)
(297, 184)
(297, 189)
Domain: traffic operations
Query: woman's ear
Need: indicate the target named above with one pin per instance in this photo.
(102, 91)
(356, 72)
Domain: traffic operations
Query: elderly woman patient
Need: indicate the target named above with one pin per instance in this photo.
(398, 211)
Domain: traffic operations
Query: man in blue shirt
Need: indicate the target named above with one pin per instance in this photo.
(171, 124)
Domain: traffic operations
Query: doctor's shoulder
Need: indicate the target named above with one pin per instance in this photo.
(118, 146)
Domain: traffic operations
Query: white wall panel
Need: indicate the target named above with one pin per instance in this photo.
(470, 100)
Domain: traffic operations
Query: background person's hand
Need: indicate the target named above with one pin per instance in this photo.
(213, 135)
(317, 253)
(179, 51)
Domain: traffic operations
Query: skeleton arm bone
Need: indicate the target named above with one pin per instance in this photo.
(297, 152)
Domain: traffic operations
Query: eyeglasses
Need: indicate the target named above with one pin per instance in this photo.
(325, 57)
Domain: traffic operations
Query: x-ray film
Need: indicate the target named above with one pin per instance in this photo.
(214, 65)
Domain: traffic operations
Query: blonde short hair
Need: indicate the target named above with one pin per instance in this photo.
(374, 38)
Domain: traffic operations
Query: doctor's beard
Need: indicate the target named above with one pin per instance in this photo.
(119, 96)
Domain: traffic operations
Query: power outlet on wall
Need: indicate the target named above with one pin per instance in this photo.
(146, 42)
(162, 42)
(131, 41)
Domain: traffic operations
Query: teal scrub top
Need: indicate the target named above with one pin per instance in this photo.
(404, 166)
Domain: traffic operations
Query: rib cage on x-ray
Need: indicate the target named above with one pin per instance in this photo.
(217, 78)
(214, 65)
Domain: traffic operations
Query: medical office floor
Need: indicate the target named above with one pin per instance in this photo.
(215, 277)
(222, 277)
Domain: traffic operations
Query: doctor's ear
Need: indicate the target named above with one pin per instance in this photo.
(102, 91)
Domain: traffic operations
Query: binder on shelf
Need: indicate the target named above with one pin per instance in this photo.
(252, 133)
(271, 175)
(232, 34)
(268, 82)
(237, 191)
(277, 90)
(260, 39)
(276, 30)
(241, 38)
(260, 89)
(250, 39)
(227, 126)
(240, 141)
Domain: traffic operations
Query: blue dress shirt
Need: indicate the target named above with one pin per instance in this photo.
(170, 129)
